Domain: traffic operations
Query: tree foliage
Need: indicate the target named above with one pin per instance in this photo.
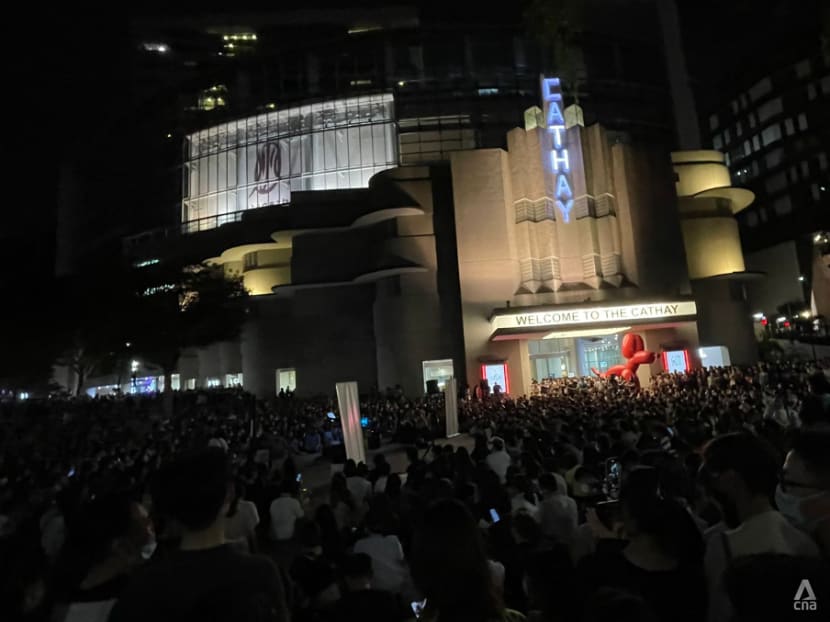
(180, 307)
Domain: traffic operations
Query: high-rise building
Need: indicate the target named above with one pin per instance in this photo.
(762, 77)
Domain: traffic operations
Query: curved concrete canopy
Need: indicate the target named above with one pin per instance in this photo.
(368, 277)
(740, 198)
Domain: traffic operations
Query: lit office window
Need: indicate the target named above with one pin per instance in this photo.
(811, 91)
(782, 205)
(815, 191)
(760, 88)
(739, 130)
(734, 106)
(756, 143)
(789, 127)
(770, 109)
(802, 122)
(717, 143)
(286, 380)
(771, 134)
(726, 137)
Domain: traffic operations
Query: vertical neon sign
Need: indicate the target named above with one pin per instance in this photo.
(559, 163)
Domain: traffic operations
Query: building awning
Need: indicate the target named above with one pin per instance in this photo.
(587, 320)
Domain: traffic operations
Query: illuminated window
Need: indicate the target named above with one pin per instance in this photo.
(233, 380)
(760, 88)
(440, 371)
(770, 109)
(756, 143)
(238, 37)
(802, 122)
(717, 143)
(214, 97)
(286, 380)
(739, 130)
(789, 127)
(726, 137)
(802, 69)
(155, 47)
(771, 134)
(213, 383)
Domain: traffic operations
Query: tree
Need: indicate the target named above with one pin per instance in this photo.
(180, 307)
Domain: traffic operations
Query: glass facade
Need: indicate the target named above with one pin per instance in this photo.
(575, 356)
(259, 161)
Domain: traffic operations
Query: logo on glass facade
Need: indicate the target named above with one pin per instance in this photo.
(259, 161)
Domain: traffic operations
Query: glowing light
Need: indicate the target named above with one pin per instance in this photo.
(271, 106)
(169, 135)
(147, 262)
(781, 319)
(134, 366)
(401, 83)
(158, 48)
(758, 316)
(591, 332)
(801, 278)
(559, 160)
(806, 315)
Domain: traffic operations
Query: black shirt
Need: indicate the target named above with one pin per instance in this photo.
(673, 595)
(371, 606)
(208, 585)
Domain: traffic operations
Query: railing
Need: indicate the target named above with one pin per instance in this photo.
(186, 228)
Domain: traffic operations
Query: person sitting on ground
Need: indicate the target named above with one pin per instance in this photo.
(285, 510)
(205, 579)
(363, 603)
(359, 486)
(241, 521)
(450, 568)
(388, 564)
(312, 573)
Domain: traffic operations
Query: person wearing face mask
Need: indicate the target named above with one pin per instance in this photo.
(739, 473)
(803, 492)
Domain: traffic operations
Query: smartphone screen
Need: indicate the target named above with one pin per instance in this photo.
(71, 472)
(418, 607)
(494, 516)
(613, 477)
(299, 477)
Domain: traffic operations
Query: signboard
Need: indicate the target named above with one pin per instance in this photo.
(573, 316)
(559, 160)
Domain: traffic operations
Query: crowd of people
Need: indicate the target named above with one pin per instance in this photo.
(703, 496)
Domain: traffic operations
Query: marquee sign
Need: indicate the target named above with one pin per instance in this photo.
(637, 313)
(559, 163)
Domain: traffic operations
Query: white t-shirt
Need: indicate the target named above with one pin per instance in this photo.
(380, 485)
(285, 510)
(499, 462)
(388, 568)
(558, 517)
(360, 487)
(242, 524)
(767, 532)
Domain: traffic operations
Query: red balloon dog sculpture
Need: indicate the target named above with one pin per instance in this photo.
(633, 349)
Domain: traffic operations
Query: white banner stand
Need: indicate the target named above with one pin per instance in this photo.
(348, 401)
(451, 407)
